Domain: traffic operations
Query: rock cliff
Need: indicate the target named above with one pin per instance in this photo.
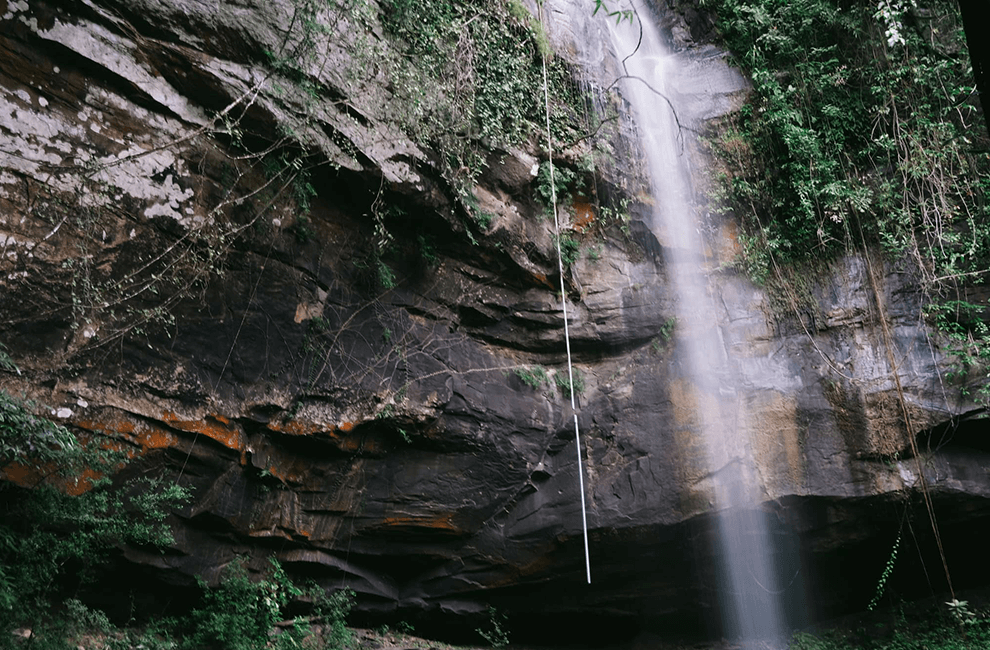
(405, 436)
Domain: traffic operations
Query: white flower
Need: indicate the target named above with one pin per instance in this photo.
(891, 13)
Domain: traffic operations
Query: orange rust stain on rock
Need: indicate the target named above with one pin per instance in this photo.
(155, 439)
(141, 435)
(295, 428)
(286, 474)
(226, 435)
(728, 243)
(353, 444)
(584, 215)
(109, 425)
(542, 279)
(30, 476)
(442, 522)
(346, 426)
(22, 475)
(148, 437)
(82, 483)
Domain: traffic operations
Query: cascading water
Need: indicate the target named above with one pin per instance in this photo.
(747, 585)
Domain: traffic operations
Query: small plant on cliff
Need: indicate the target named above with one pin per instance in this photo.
(533, 376)
(617, 213)
(570, 250)
(564, 383)
(495, 631)
(667, 329)
(885, 575)
(966, 341)
(566, 182)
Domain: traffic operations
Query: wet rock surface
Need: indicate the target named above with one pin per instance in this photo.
(386, 439)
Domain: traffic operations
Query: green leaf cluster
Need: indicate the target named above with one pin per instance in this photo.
(566, 183)
(495, 631)
(242, 614)
(564, 382)
(966, 341)
(475, 77)
(847, 131)
(570, 249)
(533, 376)
(957, 628)
(64, 514)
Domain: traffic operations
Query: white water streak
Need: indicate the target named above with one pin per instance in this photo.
(747, 584)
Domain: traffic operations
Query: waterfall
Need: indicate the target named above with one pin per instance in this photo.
(747, 587)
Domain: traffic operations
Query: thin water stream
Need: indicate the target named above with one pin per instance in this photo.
(747, 587)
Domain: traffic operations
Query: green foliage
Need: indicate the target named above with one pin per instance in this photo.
(666, 333)
(534, 376)
(962, 612)
(618, 14)
(495, 631)
(845, 129)
(863, 124)
(564, 383)
(615, 213)
(958, 629)
(484, 219)
(539, 36)
(667, 329)
(570, 249)
(887, 570)
(28, 439)
(303, 229)
(966, 340)
(473, 77)
(428, 250)
(59, 523)
(806, 641)
(566, 181)
(377, 273)
(241, 614)
(6, 363)
(70, 629)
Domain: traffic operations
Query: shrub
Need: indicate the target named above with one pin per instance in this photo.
(856, 121)
(565, 182)
(241, 614)
(63, 515)
(936, 631)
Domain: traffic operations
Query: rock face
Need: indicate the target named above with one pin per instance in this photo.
(159, 285)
